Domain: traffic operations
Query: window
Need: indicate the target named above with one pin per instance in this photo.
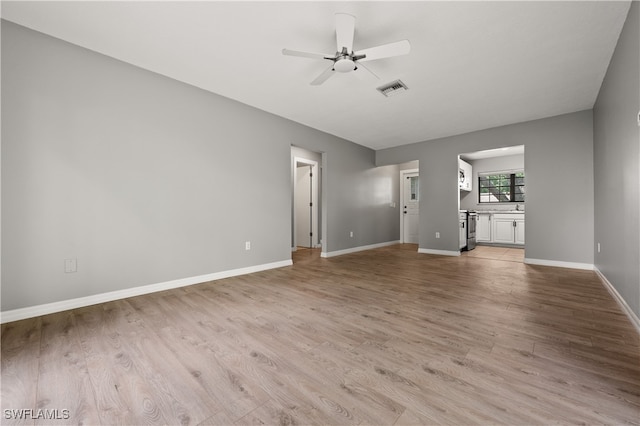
(505, 187)
(414, 180)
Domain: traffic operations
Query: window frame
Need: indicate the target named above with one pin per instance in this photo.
(512, 176)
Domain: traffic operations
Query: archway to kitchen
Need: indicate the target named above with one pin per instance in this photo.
(492, 203)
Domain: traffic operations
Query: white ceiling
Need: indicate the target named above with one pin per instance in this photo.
(473, 65)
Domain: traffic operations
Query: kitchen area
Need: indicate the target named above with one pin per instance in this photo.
(491, 187)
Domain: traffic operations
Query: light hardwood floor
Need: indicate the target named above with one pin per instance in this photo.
(497, 253)
(386, 336)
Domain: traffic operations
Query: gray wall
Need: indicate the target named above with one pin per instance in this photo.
(145, 180)
(410, 165)
(355, 193)
(559, 223)
(616, 159)
(365, 208)
(469, 199)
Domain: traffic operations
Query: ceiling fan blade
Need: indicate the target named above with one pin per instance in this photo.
(384, 51)
(345, 28)
(323, 77)
(366, 70)
(289, 52)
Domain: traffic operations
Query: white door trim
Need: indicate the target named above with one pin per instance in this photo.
(314, 198)
(403, 174)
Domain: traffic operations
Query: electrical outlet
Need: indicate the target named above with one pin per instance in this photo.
(247, 245)
(351, 234)
(598, 247)
(437, 235)
(638, 118)
(70, 265)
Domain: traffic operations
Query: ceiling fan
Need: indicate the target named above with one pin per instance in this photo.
(345, 59)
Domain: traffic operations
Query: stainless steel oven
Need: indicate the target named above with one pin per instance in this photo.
(472, 220)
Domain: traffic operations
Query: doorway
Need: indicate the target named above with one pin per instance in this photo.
(410, 205)
(305, 204)
(496, 192)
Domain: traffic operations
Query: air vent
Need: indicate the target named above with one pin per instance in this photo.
(393, 88)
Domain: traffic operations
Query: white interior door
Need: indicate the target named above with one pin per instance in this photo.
(410, 207)
(303, 206)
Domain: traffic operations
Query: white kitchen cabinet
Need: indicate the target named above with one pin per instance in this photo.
(508, 228)
(483, 228)
(465, 175)
(463, 230)
(503, 230)
(519, 231)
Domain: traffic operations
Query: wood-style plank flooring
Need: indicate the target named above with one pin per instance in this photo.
(386, 336)
(512, 254)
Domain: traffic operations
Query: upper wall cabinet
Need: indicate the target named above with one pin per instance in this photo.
(465, 176)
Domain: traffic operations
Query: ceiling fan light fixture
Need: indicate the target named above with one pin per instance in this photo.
(346, 59)
(344, 65)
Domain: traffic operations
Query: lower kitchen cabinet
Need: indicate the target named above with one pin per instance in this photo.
(519, 232)
(483, 228)
(463, 230)
(508, 229)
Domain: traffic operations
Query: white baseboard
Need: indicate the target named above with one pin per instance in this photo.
(559, 264)
(50, 308)
(439, 252)
(317, 246)
(357, 249)
(623, 304)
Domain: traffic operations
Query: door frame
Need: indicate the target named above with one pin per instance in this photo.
(403, 174)
(314, 200)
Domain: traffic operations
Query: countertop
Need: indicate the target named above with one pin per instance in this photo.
(501, 211)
